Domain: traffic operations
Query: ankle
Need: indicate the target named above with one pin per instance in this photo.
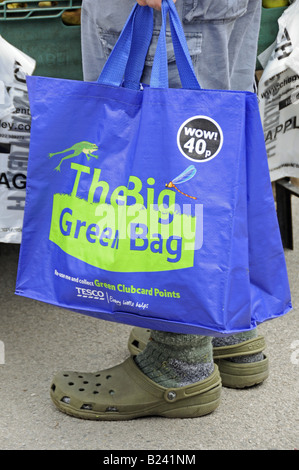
(175, 360)
(238, 338)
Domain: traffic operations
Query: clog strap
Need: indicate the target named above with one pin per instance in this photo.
(171, 394)
(251, 346)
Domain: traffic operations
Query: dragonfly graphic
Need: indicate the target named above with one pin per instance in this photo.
(186, 175)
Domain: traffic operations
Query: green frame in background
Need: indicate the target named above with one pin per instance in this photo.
(41, 34)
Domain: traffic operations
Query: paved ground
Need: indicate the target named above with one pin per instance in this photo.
(40, 339)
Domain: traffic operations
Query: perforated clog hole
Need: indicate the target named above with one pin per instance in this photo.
(86, 406)
(71, 383)
(95, 392)
(111, 409)
(111, 392)
(81, 389)
(53, 387)
(66, 400)
(85, 382)
(108, 377)
(65, 375)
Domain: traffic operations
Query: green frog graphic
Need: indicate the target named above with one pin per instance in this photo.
(81, 147)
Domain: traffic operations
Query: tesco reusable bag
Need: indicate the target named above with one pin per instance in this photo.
(151, 207)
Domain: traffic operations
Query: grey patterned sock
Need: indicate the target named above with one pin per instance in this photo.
(175, 360)
(236, 339)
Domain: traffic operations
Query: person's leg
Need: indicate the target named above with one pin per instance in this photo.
(239, 358)
(101, 24)
(93, 58)
(243, 46)
(212, 64)
(229, 40)
(176, 360)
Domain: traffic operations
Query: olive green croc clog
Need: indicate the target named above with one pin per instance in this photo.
(233, 375)
(242, 375)
(123, 392)
(138, 339)
(246, 348)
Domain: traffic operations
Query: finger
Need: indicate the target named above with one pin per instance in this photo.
(156, 4)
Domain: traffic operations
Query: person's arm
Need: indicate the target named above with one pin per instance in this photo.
(156, 4)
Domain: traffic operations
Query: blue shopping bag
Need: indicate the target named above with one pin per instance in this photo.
(151, 206)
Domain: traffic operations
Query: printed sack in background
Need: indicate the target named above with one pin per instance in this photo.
(278, 93)
(151, 207)
(15, 123)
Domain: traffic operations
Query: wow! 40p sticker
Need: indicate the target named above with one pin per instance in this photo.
(200, 138)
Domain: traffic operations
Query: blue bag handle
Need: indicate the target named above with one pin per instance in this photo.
(159, 77)
(126, 62)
